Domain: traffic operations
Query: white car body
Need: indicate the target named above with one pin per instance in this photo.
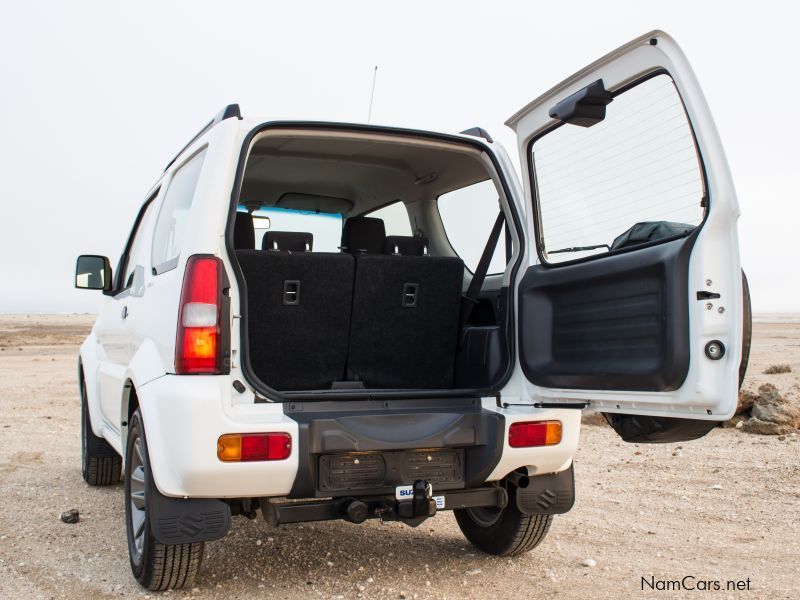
(129, 359)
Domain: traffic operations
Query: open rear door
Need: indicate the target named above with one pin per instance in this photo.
(632, 301)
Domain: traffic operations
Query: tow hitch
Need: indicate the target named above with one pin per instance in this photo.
(412, 504)
(419, 507)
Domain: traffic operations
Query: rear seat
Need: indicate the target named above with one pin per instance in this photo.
(406, 245)
(387, 320)
(288, 241)
(363, 235)
(404, 326)
(298, 313)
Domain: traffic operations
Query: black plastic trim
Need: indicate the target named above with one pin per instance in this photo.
(659, 271)
(187, 520)
(376, 426)
(279, 396)
(478, 132)
(552, 494)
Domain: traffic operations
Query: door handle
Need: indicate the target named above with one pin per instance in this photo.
(124, 312)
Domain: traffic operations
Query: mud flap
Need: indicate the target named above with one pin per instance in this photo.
(187, 520)
(552, 494)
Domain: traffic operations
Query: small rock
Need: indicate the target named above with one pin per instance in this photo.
(739, 425)
(746, 399)
(259, 542)
(781, 438)
(716, 486)
(589, 562)
(473, 572)
(330, 563)
(71, 516)
(756, 425)
(685, 498)
(773, 407)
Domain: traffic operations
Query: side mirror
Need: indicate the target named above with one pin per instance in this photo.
(93, 272)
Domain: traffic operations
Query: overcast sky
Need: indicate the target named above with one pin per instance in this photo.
(98, 96)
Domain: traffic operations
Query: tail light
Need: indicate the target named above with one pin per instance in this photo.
(198, 347)
(534, 433)
(246, 447)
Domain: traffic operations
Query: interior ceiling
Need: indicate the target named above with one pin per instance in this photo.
(366, 169)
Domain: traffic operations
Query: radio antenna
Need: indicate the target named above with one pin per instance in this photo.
(372, 94)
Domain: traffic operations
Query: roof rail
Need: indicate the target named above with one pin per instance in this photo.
(478, 132)
(232, 110)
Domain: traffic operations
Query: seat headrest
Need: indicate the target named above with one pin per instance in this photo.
(406, 245)
(363, 235)
(244, 235)
(288, 241)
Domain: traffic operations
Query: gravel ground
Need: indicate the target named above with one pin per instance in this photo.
(721, 508)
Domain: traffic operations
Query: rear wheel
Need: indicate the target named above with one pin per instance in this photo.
(101, 465)
(155, 566)
(503, 531)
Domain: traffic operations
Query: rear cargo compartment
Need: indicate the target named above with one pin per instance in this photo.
(361, 311)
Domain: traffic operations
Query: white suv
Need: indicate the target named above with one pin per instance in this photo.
(338, 321)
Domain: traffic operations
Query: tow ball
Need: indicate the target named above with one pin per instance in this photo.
(420, 506)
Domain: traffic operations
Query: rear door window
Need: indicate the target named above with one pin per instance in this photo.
(174, 215)
(633, 177)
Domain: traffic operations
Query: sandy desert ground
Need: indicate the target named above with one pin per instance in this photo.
(722, 508)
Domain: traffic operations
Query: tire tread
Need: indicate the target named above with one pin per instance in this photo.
(516, 533)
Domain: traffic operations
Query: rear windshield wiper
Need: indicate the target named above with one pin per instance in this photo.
(579, 248)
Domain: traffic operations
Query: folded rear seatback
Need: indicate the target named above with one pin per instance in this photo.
(298, 316)
(405, 321)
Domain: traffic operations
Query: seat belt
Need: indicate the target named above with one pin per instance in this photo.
(470, 299)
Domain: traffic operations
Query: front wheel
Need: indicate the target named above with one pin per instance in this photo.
(155, 566)
(503, 532)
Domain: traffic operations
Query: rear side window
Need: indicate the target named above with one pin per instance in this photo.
(633, 178)
(394, 217)
(468, 215)
(171, 224)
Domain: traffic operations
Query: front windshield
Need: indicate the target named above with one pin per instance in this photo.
(325, 227)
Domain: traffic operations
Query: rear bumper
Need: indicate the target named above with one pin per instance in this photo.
(185, 415)
(370, 447)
